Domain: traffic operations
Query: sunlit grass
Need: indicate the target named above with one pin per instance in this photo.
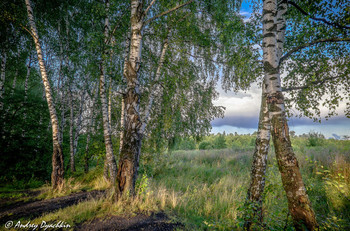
(206, 190)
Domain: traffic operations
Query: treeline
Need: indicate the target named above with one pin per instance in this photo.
(247, 141)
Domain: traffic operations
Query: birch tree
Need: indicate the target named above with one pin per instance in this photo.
(132, 138)
(106, 123)
(298, 201)
(57, 156)
(297, 72)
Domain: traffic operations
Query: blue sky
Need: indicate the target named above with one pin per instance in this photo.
(242, 112)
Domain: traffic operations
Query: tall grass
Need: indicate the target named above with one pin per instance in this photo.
(206, 189)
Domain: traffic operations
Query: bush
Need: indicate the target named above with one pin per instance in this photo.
(205, 145)
(220, 142)
(315, 139)
(187, 144)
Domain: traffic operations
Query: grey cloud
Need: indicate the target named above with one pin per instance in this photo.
(236, 121)
(252, 121)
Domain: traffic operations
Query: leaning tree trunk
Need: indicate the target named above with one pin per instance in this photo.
(57, 156)
(256, 188)
(132, 137)
(106, 126)
(298, 201)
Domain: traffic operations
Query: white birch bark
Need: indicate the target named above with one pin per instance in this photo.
(79, 122)
(298, 201)
(88, 132)
(106, 125)
(132, 137)
(57, 157)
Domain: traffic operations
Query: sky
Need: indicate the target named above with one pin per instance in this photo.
(242, 112)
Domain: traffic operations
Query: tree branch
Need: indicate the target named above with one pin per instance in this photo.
(298, 48)
(317, 19)
(318, 82)
(166, 12)
(149, 7)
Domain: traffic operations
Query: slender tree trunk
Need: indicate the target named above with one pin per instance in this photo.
(122, 116)
(57, 156)
(15, 78)
(106, 123)
(88, 132)
(26, 89)
(298, 201)
(79, 121)
(156, 90)
(71, 131)
(110, 102)
(132, 137)
(122, 122)
(105, 167)
(29, 65)
(257, 184)
(2, 78)
(258, 171)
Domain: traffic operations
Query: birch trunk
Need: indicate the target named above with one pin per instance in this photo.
(131, 148)
(79, 120)
(26, 89)
(298, 201)
(156, 84)
(15, 78)
(257, 184)
(57, 156)
(106, 126)
(122, 122)
(27, 78)
(258, 171)
(105, 167)
(122, 116)
(71, 131)
(2, 78)
(88, 132)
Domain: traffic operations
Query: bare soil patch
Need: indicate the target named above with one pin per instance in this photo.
(154, 222)
(34, 209)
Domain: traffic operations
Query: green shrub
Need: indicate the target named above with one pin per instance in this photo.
(220, 142)
(205, 145)
(315, 139)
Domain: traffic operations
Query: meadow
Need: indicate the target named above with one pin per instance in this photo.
(206, 189)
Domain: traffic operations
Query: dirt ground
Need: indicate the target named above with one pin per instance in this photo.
(155, 222)
(32, 209)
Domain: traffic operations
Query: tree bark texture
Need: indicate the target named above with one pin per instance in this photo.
(106, 126)
(298, 201)
(130, 151)
(57, 156)
(88, 136)
(259, 165)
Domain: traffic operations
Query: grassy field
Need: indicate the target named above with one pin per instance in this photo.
(206, 189)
